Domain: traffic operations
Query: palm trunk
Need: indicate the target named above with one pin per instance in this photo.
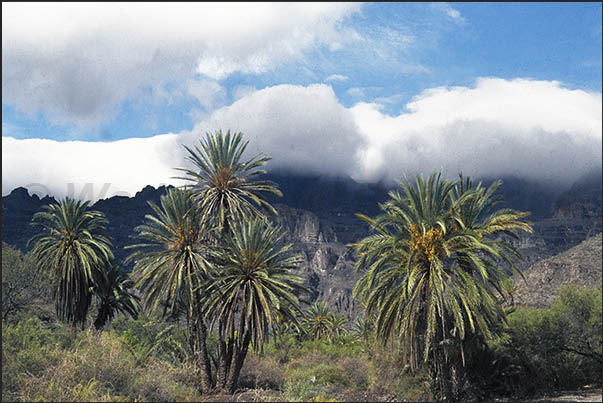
(238, 358)
(199, 336)
(225, 357)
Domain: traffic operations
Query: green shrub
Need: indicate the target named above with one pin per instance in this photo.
(24, 288)
(306, 379)
(344, 346)
(384, 370)
(546, 349)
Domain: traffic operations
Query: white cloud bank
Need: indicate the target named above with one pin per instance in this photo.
(76, 62)
(537, 130)
(89, 170)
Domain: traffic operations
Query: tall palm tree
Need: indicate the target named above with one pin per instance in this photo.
(252, 290)
(224, 184)
(114, 294)
(73, 247)
(228, 193)
(171, 262)
(432, 270)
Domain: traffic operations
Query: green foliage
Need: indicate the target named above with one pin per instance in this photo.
(42, 362)
(542, 349)
(72, 246)
(114, 294)
(433, 270)
(22, 283)
(560, 346)
(28, 348)
(171, 259)
(306, 382)
(254, 283)
(320, 322)
(224, 184)
(576, 317)
(151, 337)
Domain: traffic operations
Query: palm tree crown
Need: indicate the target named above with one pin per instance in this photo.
(254, 282)
(71, 245)
(172, 256)
(223, 183)
(320, 322)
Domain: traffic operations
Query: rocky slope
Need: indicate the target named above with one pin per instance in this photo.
(579, 265)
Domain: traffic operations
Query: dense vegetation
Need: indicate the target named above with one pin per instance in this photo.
(211, 307)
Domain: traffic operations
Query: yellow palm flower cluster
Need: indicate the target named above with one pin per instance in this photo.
(428, 244)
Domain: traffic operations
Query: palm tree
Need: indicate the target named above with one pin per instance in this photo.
(433, 270)
(250, 292)
(225, 187)
(319, 322)
(73, 247)
(170, 264)
(224, 184)
(113, 290)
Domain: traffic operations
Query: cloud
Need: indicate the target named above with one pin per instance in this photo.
(303, 129)
(356, 92)
(533, 129)
(75, 63)
(336, 77)
(207, 92)
(89, 170)
(447, 9)
(536, 130)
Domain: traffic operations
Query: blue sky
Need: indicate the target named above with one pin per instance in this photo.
(354, 79)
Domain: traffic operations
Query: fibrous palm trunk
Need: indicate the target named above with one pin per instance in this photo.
(198, 335)
(238, 357)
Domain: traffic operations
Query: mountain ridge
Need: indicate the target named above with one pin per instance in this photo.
(319, 216)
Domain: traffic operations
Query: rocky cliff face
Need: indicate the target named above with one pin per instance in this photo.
(579, 265)
(318, 215)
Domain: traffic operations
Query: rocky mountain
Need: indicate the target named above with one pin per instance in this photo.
(580, 265)
(318, 213)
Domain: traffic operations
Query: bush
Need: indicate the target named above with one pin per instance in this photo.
(357, 371)
(544, 349)
(23, 286)
(261, 372)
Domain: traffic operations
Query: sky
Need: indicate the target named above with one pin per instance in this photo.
(98, 99)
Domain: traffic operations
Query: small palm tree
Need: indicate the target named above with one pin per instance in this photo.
(113, 290)
(170, 264)
(253, 288)
(73, 247)
(319, 322)
(433, 269)
(224, 184)
(338, 325)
